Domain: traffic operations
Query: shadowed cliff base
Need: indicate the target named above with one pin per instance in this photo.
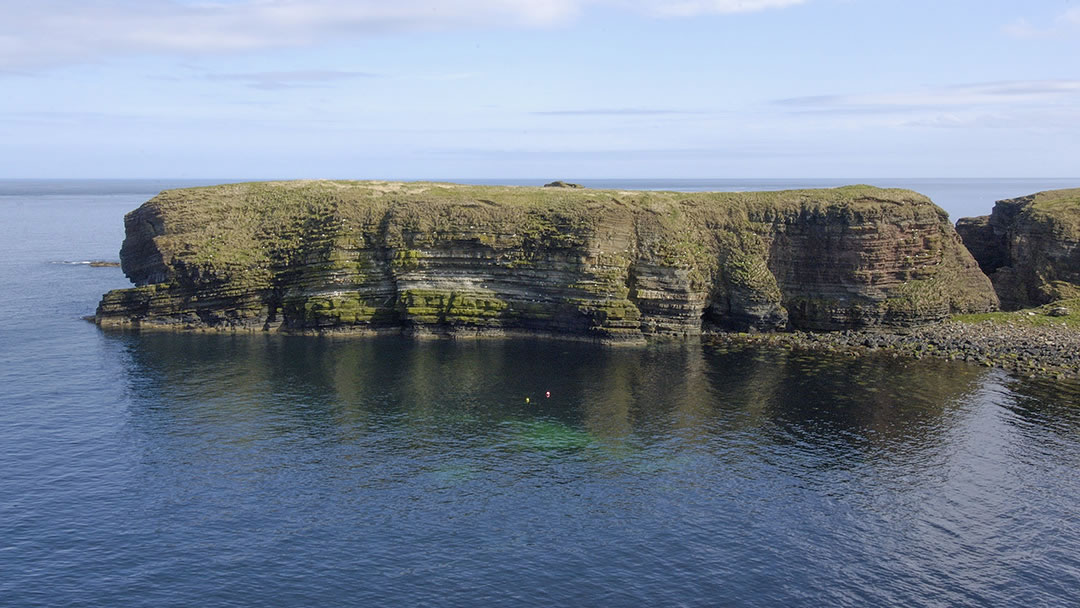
(607, 265)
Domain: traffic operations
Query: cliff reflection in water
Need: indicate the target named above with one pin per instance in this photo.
(258, 385)
(674, 473)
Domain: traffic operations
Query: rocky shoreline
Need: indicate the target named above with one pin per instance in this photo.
(1047, 351)
(1023, 350)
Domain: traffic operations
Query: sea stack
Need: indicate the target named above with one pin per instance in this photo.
(448, 259)
(1029, 247)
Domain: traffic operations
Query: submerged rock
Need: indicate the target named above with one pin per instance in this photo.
(1029, 247)
(610, 265)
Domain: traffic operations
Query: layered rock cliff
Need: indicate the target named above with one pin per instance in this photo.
(612, 265)
(1029, 247)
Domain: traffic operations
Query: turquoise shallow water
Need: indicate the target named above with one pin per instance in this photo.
(173, 470)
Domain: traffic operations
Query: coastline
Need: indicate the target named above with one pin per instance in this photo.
(1050, 351)
(837, 270)
(1028, 351)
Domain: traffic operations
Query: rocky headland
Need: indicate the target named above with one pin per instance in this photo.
(1029, 247)
(613, 266)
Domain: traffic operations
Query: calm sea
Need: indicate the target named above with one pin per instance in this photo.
(182, 470)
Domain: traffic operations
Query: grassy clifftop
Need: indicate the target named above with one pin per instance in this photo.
(1061, 206)
(245, 223)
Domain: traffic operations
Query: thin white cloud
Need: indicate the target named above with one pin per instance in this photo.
(628, 153)
(963, 95)
(290, 79)
(1057, 120)
(35, 33)
(1024, 104)
(616, 112)
(1065, 24)
(691, 8)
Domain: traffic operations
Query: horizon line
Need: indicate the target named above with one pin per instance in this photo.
(533, 178)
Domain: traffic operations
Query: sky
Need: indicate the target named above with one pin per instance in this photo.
(428, 89)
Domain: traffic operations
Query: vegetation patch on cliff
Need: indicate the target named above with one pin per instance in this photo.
(1063, 313)
(442, 306)
(1059, 206)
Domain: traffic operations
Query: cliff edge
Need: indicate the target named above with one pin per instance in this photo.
(1029, 247)
(329, 256)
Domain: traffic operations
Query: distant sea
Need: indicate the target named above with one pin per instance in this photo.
(961, 197)
(167, 470)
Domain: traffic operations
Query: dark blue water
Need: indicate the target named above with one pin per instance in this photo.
(178, 470)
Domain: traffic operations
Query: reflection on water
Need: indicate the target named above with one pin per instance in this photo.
(492, 393)
(300, 471)
(416, 472)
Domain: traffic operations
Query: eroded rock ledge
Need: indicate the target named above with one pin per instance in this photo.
(318, 256)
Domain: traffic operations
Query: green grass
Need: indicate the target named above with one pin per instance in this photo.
(1031, 317)
(1058, 200)
(247, 231)
(1059, 206)
(242, 205)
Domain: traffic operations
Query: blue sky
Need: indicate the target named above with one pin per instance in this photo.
(566, 88)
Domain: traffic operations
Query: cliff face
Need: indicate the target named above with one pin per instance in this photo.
(612, 265)
(1029, 247)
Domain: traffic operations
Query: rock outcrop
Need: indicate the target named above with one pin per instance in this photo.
(610, 265)
(1029, 247)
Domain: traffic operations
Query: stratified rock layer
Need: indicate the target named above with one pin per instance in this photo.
(1029, 247)
(610, 265)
